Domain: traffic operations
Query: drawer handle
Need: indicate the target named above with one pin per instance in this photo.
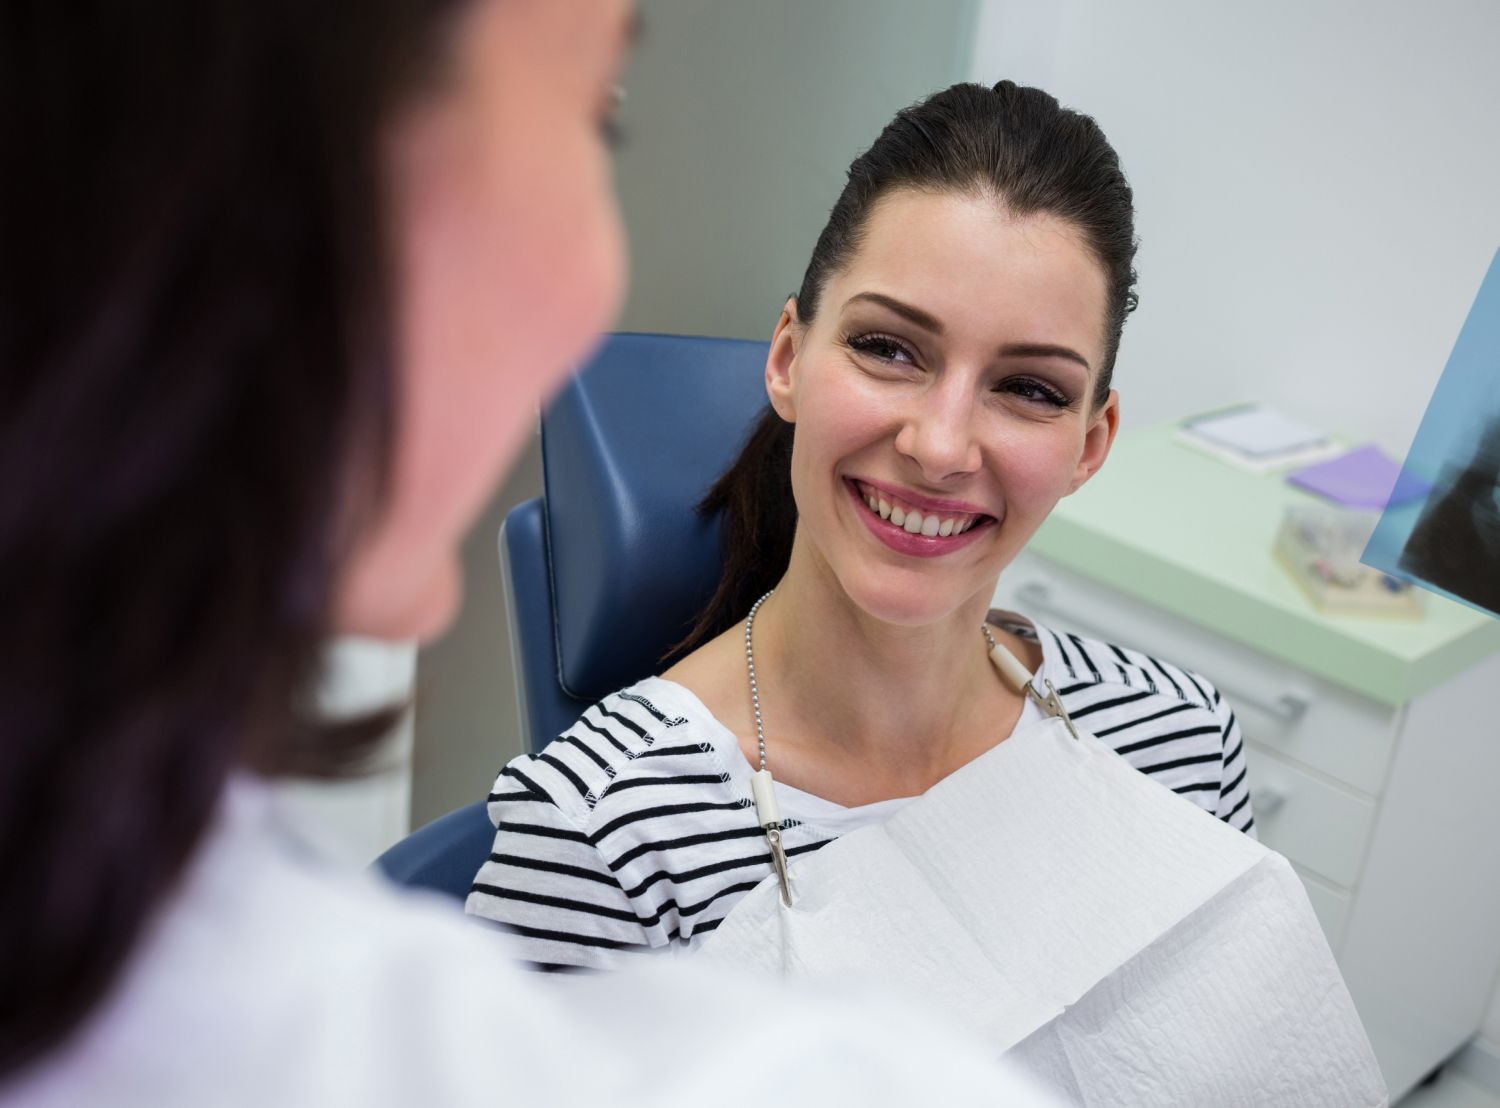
(1266, 802)
(1037, 597)
(1034, 594)
(1286, 708)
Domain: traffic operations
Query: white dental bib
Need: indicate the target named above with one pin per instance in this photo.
(1118, 941)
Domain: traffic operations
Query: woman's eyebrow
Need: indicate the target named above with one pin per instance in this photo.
(1042, 350)
(907, 311)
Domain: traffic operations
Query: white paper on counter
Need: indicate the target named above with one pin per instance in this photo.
(1125, 946)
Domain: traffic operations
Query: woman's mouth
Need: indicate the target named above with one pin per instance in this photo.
(911, 528)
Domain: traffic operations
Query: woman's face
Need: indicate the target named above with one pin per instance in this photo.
(949, 373)
(509, 261)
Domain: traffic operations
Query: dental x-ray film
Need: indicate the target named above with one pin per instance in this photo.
(1449, 540)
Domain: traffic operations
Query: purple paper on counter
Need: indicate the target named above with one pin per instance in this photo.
(1363, 478)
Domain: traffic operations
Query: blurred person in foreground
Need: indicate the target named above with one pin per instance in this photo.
(282, 286)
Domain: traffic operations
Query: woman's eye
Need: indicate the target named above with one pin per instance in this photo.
(883, 348)
(1037, 392)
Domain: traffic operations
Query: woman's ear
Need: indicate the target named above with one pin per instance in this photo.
(781, 362)
(1096, 441)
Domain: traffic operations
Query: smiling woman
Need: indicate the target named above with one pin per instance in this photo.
(941, 379)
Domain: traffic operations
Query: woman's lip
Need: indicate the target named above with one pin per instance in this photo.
(904, 542)
(923, 503)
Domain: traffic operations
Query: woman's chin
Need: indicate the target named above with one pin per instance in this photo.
(420, 612)
(435, 614)
(907, 600)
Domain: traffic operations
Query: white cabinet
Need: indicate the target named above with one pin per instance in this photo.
(1387, 811)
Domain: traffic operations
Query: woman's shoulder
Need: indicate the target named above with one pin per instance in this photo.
(628, 832)
(1167, 720)
(1086, 668)
(641, 740)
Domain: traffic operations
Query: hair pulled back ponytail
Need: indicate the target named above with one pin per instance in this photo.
(1014, 144)
(758, 520)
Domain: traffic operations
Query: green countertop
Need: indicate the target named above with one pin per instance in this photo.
(1191, 534)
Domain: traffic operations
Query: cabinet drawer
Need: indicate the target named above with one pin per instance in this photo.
(1326, 727)
(1318, 825)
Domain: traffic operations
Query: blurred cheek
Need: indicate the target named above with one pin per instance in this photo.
(502, 299)
(508, 268)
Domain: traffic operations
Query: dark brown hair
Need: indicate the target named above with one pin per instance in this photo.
(194, 359)
(1015, 144)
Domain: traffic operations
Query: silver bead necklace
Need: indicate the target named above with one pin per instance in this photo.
(767, 814)
(762, 786)
(760, 730)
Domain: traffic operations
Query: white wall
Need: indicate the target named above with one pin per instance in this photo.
(1316, 184)
(1491, 1032)
(1317, 188)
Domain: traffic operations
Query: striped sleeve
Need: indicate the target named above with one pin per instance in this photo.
(1234, 790)
(1168, 722)
(547, 884)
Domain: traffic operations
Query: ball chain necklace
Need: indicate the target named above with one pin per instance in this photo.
(762, 784)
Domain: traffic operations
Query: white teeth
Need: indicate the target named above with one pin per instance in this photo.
(913, 521)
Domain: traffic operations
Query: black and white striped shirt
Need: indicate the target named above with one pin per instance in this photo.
(635, 829)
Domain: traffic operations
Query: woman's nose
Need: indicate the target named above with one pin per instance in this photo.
(938, 435)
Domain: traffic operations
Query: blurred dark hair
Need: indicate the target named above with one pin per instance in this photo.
(194, 360)
(1013, 144)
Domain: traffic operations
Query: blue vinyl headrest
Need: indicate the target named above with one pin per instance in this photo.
(628, 450)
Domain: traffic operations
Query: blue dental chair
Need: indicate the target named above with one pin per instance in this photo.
(609, 567)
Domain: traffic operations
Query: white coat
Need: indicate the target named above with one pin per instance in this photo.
(271, 979)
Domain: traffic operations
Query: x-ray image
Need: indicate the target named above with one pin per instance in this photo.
(1456, 542)
(1450, 541)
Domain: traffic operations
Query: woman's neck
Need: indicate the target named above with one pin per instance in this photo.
(857, 710)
